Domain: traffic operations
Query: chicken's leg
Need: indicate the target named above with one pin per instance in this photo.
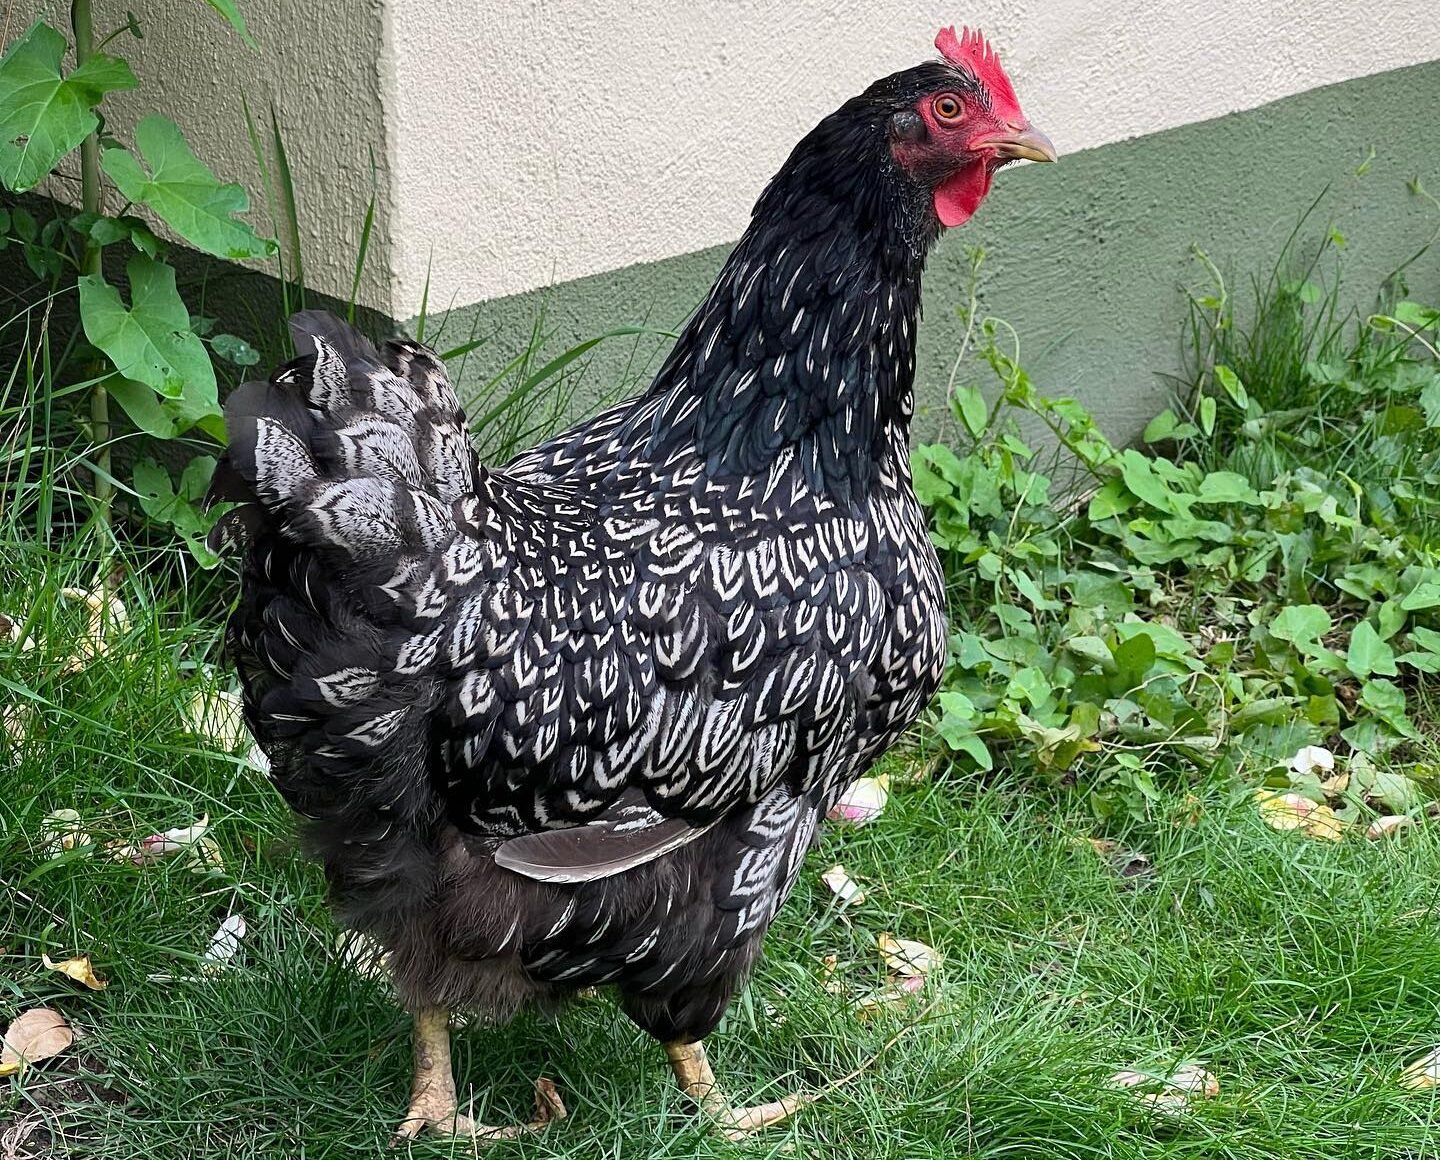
(433, 1106)
(696, 1080)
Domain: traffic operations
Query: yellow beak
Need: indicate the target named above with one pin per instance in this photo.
(1027, 145)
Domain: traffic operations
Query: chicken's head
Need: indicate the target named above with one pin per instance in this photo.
(960, 122)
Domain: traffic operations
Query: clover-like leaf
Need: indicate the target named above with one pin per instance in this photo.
(183, 193)
(45, 112)
(153, 348)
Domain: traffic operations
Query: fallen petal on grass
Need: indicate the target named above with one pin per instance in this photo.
(863, 802)
(1424, 1073)
(894, 994)
(1178, 1091)
(217, 715)
(79, 968)
(1194, 1080)
(843, 886)
(1388, 826)
(61, 832)
(363, 955)
(198, 848)
(107, 616)
(225, 942)
(34, 1035)
(13, 631)
(1293, 811)
(1283, 811)
(906, 957)
(1312, 759)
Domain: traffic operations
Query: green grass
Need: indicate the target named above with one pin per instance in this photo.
(1303, 974)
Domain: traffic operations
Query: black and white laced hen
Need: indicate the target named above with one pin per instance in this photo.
(573, 721)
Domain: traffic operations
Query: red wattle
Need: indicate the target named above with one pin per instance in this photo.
(958, 197)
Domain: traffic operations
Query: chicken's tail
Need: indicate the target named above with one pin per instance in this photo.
(349, 449)
(344, 467)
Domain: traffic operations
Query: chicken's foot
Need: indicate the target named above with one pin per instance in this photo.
(433, 1104)
(697, 1080)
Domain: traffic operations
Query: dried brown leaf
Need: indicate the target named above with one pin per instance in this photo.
(34, 1035)
(79, 969)
(907, 957)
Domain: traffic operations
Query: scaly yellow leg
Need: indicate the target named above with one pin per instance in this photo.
(697, 1080)
(433, 1105)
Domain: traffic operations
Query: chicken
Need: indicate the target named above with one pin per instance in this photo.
(573, 722)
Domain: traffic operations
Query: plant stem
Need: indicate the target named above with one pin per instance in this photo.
(83, 25)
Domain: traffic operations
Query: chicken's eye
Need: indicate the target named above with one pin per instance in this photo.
(947, 108)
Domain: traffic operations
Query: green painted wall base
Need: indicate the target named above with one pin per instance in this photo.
(1088, 258)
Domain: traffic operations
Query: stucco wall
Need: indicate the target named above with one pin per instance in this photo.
(523, 145)
(539, 142)
(1088, 258)
(318, 64)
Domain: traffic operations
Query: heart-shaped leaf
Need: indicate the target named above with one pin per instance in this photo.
(153, 348)
(184, 193)
(45, 113)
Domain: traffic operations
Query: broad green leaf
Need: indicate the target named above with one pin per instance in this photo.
(1368, 653)
(1091, 652)
(976, 749)
(956, 706)
(1207, 414)
(1166, 426)
(1387, 701)
(1430, 400)
(1029, 684)
(970, 403)
(180, 509)
(1415, 315)
(45, 113)
(1111, 500)
(152, 347)
(1301, 624)
(1227, 487)
(231, 12)
(1027, 588)
(1391, 617)
(1230, 382)
(1167, 642)
(183, 193)
(235, 350)
(1426, 594)
(1140, 475)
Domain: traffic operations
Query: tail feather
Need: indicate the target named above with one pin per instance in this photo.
(349, 447)
(344, 466)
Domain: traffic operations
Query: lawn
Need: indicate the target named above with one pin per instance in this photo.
(1302, 974)
(1075, 831)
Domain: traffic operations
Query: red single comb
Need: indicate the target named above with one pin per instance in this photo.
(972, 52)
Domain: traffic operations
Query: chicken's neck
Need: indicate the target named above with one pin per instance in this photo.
(805, 346)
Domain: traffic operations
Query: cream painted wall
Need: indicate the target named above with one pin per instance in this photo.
(543, 140)
(524, 142)
(319, 63)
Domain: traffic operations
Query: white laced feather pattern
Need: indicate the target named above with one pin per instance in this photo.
(593, 676)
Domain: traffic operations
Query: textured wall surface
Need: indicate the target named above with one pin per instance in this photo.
(318, 64)
(1088, 258)
(545, 140)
